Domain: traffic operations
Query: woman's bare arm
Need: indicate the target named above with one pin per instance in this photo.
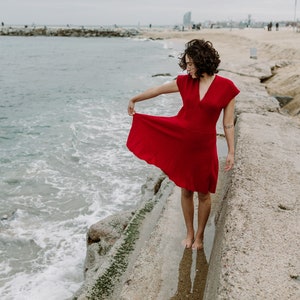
(170, 87)
(228, 125)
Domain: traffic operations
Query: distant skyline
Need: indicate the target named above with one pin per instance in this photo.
(134, 12)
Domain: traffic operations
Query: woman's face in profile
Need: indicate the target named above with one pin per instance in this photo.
(190, 67)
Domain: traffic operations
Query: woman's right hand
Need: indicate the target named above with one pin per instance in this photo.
(130, 108)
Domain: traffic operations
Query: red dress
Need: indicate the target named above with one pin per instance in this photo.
(184, 146)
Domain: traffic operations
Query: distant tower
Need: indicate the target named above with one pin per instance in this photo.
(187, 19)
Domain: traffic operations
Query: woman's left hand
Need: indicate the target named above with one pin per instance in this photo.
(229, 162)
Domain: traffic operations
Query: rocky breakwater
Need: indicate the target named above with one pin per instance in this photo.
(112, 243)
(67, 32)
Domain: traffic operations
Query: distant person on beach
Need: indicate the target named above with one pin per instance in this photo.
(184, 146)
(270, 25)
(277, 26)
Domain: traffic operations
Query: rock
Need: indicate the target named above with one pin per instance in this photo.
(283, 100)
(109, 229)
(8, 216)
(102, 236)
(161, 74)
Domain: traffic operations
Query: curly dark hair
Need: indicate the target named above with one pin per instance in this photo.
(205, 57)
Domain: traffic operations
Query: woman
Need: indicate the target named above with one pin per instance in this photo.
(184, 146)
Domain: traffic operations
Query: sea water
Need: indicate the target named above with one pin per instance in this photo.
(64, 164)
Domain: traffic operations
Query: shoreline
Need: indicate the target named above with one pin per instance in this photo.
(255, 254)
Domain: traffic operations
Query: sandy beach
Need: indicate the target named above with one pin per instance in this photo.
(255, 219)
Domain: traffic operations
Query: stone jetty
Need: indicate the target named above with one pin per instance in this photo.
(67, 31)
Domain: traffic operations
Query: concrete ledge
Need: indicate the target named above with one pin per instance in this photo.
(256, 249)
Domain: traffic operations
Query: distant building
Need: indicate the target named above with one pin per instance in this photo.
(187, 19)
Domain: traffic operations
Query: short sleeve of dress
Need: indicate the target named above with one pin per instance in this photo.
(230, 91)
(180, 80)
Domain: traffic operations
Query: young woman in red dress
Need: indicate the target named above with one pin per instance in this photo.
(184, 146)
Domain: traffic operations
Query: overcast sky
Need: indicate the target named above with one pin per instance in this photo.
(143, 12)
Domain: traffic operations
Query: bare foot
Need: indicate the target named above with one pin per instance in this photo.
(198, 244)
(188, 242)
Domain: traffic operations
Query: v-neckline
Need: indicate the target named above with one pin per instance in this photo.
(198, 86)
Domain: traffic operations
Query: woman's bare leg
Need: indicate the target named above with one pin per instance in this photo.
(203, 214)
(187, 204)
